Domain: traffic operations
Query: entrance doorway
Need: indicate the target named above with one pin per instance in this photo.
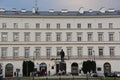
(107, 68)
(9, 70)
(74, 69)
(43, 69)
(57, 68)
(0, 69)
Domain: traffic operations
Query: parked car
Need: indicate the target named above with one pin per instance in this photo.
(94, 75)
(1, 76)
(116, 74)
(110, 74)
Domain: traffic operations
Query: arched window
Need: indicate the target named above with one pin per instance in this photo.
(107, 68)
(74, 69)
(9, 70)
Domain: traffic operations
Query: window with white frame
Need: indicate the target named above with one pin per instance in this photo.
(37, 25)
(90, 37)
(37, 52)
(100, 36)
(48, 52)
(69, 51)
(26, 37)
(79, 37)
(119, 36)
(112, 51)
(100, 51)
(58, 25)
(110, 25)
(79, 51)
(99, 25)
(90, 51)
(48, 25)
(4, 25)
(27, 52)
(69, 37)
(15, 25)
(37, 37)
(58, 37)
(89, 25)
(4, 37)
(15, 52)
(58, 49)
(4, 52)
(26, 25)
(79, 26)
(15, 37)
(68, 25)
(48, 37)
(111, 36)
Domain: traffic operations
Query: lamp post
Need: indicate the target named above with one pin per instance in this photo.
(34, 53)
(27, 68)
(94, 54)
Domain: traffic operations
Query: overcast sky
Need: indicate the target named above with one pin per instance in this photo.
(45, 5)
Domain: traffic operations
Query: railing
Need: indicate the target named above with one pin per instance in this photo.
(66, 58)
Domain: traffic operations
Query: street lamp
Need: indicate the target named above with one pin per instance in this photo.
(34, 53)
(94, 54)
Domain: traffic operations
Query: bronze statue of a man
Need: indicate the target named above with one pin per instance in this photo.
(62, 54)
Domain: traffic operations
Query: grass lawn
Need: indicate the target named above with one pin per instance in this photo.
(79, 79)
(98, 78)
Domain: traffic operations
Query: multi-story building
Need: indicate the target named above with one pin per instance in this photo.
(83, 35)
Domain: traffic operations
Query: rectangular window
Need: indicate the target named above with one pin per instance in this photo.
(15, 25)
(58, 37)
(4, 37)
(100, 37)
(15, 52)
(79, 51)
(37, 25)
(26, 25)
(4, 25)
(110, 25)
(37, 52)
(112, 52)
(89, 25)
(48, 37)
(78, 26)
(68, 25)
(79, 37)
(37, 37)
(48, 25)
(90, 37)
(15, 37)
(69, 37)
(58, 49)
(3, 52)
(99, 25)
(100, 51)
(90, 52)
(58, 25)
(111, 37)
(27, 52)
(26, 37)
(48, 52)
(69, 51)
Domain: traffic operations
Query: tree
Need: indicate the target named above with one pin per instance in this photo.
(28, 66)
(89, 66)
(84, 68)
(24, 69)
(93, 66)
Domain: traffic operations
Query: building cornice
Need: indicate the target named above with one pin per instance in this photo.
(39, 16)
(61, 43)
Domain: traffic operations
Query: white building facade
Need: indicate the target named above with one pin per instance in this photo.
(42, 35)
